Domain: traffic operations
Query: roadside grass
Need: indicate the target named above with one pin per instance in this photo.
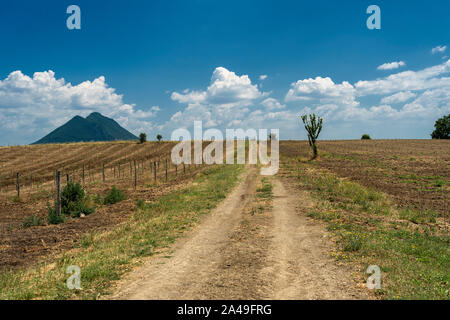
(411, 247)
(263, 197)
(265, 191)
(418, 217)
(105, 257)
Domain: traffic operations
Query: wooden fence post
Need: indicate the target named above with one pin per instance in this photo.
(184, 168)
(103, 172)
(119, 170)
(176, 170)
(166, 171)
(83, 175)
(154, 170)
(67, 178)
(31, 181)
(135, 175)
(18, 185)
(58, 192)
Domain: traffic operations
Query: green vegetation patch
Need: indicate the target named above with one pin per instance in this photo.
(103, 258)
(265, 191)
(32, 221)
(413, 256)
(74, 201)
(113, 196)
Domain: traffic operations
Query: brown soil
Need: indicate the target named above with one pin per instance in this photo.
(21, 247)
(238, 252)
(416, 173)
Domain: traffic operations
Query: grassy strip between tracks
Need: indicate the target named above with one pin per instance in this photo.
(412, 248)
(104, 258)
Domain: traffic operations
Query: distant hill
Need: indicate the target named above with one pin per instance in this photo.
(95, 127)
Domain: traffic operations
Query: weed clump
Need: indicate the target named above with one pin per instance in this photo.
(114, 196)
(53, 217)
(140, 204)
(32, 221)
(351, 242)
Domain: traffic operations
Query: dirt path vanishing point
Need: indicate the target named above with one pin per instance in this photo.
(236, 253)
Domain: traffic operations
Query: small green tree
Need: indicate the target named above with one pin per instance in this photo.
(142, 137)
(365, 136)
(74, 201)
(159, 137)
(442, 128)
(313, 126)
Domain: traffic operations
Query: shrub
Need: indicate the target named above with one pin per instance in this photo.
(72, 192)
(75, 209)
(74, 201)
(114, 196)
(53, 217)
(365, 136)
(32, 221)
(159, 137)
(142, 137)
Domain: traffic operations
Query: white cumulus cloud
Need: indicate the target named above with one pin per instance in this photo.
(30, 107)
(398, 97)
(322, 89)
(226, 101)
(438, 49)
(272, 104)
(410, 101)
(391, 65)
(226, 88)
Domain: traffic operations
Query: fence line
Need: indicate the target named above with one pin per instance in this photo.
(140, 174)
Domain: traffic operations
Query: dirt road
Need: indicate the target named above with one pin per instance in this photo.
(236, 253)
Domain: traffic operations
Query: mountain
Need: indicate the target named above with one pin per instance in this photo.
(95, 127)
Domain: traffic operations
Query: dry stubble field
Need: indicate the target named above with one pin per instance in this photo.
(21, 246)
(385, 201)
(416, 173)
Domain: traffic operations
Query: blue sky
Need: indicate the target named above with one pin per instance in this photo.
(159, 65)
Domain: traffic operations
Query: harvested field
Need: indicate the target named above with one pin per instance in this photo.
(21, 247)
(416, 173)
(360, 203)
